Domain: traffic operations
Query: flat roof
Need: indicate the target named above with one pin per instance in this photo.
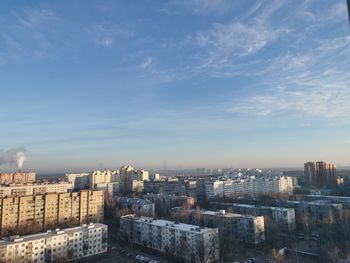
(49, 233)
(175, 225)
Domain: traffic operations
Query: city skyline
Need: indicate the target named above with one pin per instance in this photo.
(211, 83)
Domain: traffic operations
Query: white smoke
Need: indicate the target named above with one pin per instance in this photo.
(15, 157)
(20, 158)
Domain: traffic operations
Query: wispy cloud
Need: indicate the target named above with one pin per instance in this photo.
(199, 7)
(106, 35)
(28, 34)
(146, 63)
(225, 45)
(316, 83)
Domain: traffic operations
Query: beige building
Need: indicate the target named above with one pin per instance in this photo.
(51, 209)
(19, 177)
(34, 188)
(55, 246)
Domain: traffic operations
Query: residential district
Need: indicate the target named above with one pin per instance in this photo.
(200, 215)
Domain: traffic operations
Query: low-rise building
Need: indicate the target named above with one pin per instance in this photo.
(56, 246)
(318, 210)
(284, 217)
(244, 228)
(189, 242)
(141, 207)
(164, 202)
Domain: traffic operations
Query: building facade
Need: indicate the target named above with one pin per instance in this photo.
(34, 188)
(140, 207)
(252, 186)
(42, 211)
(320, 174)
(244, 228)
(284, 217)
(79, 180)
(56, 246)
(19, 177)
(189, 242)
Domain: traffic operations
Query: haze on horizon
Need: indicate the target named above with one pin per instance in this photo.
(198, 83)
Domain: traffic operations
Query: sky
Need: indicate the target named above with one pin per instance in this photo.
(199, 83)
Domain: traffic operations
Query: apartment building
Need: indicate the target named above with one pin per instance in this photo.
(318, 210)
(250, 186)
(51, 209)
(190, 242)
(35, 188)
(284, 217)
(79, 180)
(244, 228)
(55, 246)
(19, 177)
(320, 174)
(141, 207)
(164, 202)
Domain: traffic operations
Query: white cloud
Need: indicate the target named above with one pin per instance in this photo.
(315, 83)
(146, 63)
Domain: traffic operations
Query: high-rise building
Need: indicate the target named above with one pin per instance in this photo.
(19, 177)
(50, 209)
(34, 188)
(320, 174)
(55, 246)
(79, 180)
(190, 242)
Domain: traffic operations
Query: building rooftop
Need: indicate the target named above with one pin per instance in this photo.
(174, 225)
(49, 233)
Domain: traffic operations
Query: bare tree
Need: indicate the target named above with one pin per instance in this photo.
(276, 256)
(333, 254)
(305, 220)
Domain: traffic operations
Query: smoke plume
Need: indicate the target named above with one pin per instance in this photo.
(20, 158)
(14, 156)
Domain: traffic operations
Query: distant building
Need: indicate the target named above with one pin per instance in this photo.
(50, 209)
(171, 186)
(114, 182)
(244, 228)
(34, 188)
(79, 180)
(141, 207)
(319, 210)
(190, 242)
(252, 186)
(19, 177)
(112, 189)
(164, 202)
(320, 174)
(284, 217)
(56, 246)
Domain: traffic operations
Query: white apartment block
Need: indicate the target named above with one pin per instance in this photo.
(244, 228)
(250, 186)
(190, 242)
(35, 188)
(56, 246)
(79, 180)
(282, 216)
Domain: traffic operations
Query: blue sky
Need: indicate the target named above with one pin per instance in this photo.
(199, 83)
